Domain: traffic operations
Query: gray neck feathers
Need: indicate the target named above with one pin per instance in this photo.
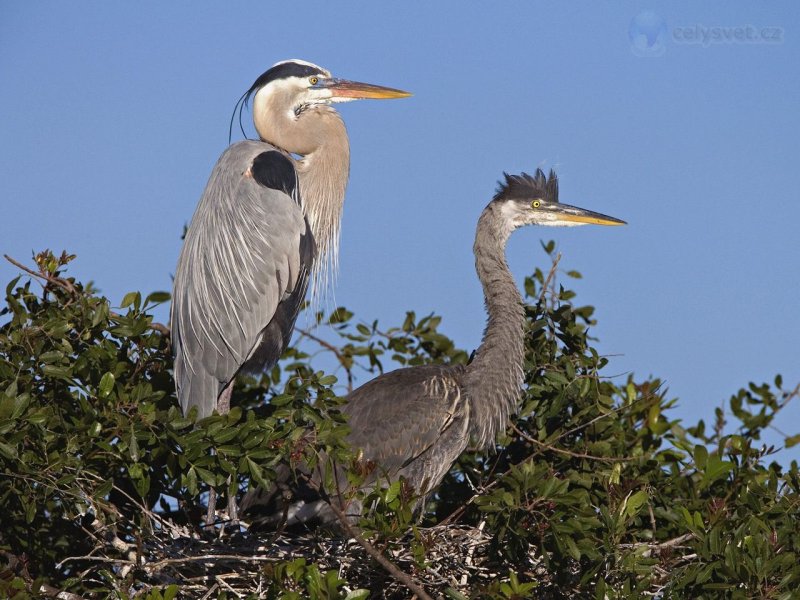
(494, 378)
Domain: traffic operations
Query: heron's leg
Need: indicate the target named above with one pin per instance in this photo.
(233, 510)
(224, 400)
(223, 407)
(212, 508)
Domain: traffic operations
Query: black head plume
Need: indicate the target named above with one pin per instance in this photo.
(525, 187)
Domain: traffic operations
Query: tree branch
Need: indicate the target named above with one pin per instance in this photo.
(68, 287)
(532, 440)
(390, 567)
(549, 278)
(330, 347)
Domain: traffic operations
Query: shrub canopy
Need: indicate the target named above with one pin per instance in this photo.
(594, 491)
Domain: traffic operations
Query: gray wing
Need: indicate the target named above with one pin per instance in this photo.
(411, 422)
(242, 273)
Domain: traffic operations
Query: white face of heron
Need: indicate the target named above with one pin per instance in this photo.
(292, 95)
(518, 212)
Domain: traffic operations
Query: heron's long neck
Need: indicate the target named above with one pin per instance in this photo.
(323, 177)
(494, 377)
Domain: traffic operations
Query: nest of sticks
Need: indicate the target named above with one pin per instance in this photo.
(455, 559)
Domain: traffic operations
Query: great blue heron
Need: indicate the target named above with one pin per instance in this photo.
(415, 422)
(265, 223)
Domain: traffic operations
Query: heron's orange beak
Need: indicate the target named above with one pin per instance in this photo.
(342, 88)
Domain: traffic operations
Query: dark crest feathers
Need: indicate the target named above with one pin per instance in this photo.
(525, 186)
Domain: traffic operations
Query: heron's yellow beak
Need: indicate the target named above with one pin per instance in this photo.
(342, 88)
(573, 214)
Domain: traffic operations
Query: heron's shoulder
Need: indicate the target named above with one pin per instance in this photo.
(273, 170)
(247, 150)
(259, 163)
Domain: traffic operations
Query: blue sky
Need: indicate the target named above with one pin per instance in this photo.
(114, 114)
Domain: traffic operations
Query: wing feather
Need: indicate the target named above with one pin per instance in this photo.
(400, 416)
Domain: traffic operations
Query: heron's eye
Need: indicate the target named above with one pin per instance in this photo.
(313, 80)
(535, 204)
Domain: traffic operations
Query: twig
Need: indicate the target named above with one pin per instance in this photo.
(390, 568)
(549, 277)
(328, 346)
(62, 283)
(223, 583)
(471, 552)
(673, 542)
(787, 397)
(51, 592)
(652, 518)
(159, 327)
(211, 591)
(89, 558)
(67, 285)
(205, 558)
(533, 440)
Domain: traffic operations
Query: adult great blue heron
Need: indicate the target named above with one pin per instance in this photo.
(414, 422)
(265, 223)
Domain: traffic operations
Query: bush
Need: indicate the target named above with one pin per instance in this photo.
(593, 492)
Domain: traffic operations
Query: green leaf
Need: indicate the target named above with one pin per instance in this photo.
(328, 380)
(104, 489)
(392, 492)
(9, 451)
(191, 481)
(716, 468)
(133, 446)
(51, 356)
(30, 512)
(340, 315)
(56, 372)
(11, 390)
(635, 502)
(207, 476)
(157, 297)
(131, 298)
(171, 592)
(572, 547)
(106, 384)
(700, 456)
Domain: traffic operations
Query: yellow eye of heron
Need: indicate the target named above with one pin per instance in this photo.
(535, 204)
(313, 80)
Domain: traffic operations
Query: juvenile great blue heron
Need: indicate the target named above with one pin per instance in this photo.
(265, 223)
(415, 422)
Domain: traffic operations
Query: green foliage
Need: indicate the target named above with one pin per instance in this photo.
(594, 492)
